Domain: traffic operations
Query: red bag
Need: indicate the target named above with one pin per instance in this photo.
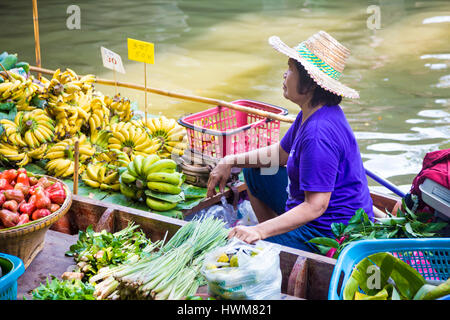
(436, 167)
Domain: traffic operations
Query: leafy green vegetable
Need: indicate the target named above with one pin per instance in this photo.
(63, 290)
(95, 250)
(406, 224)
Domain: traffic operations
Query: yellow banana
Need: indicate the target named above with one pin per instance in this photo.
(112, 177)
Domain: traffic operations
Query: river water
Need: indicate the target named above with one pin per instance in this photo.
(400, 60)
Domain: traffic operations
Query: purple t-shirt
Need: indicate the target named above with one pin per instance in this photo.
(324, 157)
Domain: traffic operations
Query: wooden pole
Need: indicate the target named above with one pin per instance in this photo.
(76, 167)
(210, 101)
(145, 89)
(115, 79)
(37, 45)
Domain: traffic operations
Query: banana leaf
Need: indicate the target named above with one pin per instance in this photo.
(173, 198)
(373, 273)
(122, 200)
(193, 192)
(188, 204)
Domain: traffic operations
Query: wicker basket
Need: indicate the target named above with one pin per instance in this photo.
(27, 241)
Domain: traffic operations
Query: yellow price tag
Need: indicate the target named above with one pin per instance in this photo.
(141, 51)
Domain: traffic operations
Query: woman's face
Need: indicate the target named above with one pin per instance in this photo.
(290, 84)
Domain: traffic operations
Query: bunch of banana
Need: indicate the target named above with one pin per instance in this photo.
(61, 156)
(19, 90)
(99, 139)
(101, 175)
(120, 108)
(100, 115)
(132, 140)
(21, 156)
(114, 157)
(153, 173)
(69, 101)
(63, 85)
(172, 136)
(29, 129)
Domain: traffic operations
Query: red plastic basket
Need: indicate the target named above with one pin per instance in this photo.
(221, 131)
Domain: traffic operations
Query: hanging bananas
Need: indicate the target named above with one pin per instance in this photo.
(61, 156)
(131, 140)
(101, 175)
(171, 135)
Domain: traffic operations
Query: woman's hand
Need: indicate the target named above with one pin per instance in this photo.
(249, 234)
(219, 176)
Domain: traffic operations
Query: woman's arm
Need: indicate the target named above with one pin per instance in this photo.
(313, 207)
(265, 157)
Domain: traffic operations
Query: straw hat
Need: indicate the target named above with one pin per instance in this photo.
(323, 58)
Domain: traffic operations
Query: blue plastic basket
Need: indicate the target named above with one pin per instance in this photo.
(429, 256)
(12, 269)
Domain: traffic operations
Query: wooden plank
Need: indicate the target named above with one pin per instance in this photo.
(383, 201)
(297, 282)
(320, 269)
(106, 221)
(50, 261)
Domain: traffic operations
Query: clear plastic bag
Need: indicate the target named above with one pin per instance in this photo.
(245, 214)
(257, 276)
(224, 211)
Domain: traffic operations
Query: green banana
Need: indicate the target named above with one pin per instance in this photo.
(159, 205)
(138, 161)
(126, 177)
(172, 178)
(162, 165)
(128, 191)
(131, 169)
(163, 187)
(148, 161)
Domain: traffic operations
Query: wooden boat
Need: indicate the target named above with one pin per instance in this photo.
(305, 275)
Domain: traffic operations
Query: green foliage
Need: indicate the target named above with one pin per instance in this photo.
(63, 290)
(406, 224)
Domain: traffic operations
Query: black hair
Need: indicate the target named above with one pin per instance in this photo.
(320, 95)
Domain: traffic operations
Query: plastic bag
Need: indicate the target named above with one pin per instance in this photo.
(245, 214)
(224, 211)
(257, 276)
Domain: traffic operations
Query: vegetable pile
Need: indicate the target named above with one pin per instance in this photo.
(173, 271)
(127, 265)
(25, 198)
(406, 224)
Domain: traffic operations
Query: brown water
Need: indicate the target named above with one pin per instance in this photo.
(219, 49)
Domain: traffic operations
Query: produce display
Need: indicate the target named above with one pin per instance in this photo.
(126, 265)
(398, 281)
(153, 179)
(41, 119)
(405, 224)
(25, 198)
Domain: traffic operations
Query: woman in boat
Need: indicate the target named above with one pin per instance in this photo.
(319, 178)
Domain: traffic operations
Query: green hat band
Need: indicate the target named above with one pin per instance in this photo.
(319, 63)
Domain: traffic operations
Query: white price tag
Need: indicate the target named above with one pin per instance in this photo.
(112, 60)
